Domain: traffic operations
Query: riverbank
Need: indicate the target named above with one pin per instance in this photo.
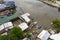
(53, 4)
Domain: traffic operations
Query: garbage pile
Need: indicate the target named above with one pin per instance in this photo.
(7, 8)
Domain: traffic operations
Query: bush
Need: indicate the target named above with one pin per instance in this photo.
(4, 37)
(13, 37)
(56, 24)
(16, 31)
(28, 35)
(15, 34)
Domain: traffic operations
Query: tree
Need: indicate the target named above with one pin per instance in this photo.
(3, 37)
(28, 35)
(17, 32)
(56, 24)
(13, 37)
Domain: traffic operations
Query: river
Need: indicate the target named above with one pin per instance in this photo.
(41, 12)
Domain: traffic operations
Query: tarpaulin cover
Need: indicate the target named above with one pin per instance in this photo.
(9, 2)
(2, 6)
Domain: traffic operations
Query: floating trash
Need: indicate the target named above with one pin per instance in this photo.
(38, 26)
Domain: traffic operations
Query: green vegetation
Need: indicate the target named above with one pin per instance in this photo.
(56, 24)
(13, 37)
(16, 31)
(4, 37)
(28, 35)
(15, 34)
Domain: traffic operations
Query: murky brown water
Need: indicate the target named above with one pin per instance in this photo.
(41, 12)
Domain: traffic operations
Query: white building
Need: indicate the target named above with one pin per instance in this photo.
(25, 17)
(4, 27)
(55, 36)
(44, 35)
(7, 25)
(27, 14)
(1, 27)
(23, 26)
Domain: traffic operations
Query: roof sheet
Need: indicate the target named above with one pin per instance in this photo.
(8, 18)
(1, 27)
(2, 6)
(55, 36)
(9, 2)
(44, 35)
(27, 14)
(26, 18)
(8, 24)
(23, 26)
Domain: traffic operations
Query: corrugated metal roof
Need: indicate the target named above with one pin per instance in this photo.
(8, 18)
(23, 26)
(44, 35)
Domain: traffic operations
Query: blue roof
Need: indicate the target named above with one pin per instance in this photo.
(2, 6)
(9, 2)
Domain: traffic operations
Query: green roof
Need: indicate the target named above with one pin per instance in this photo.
(8, 18)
